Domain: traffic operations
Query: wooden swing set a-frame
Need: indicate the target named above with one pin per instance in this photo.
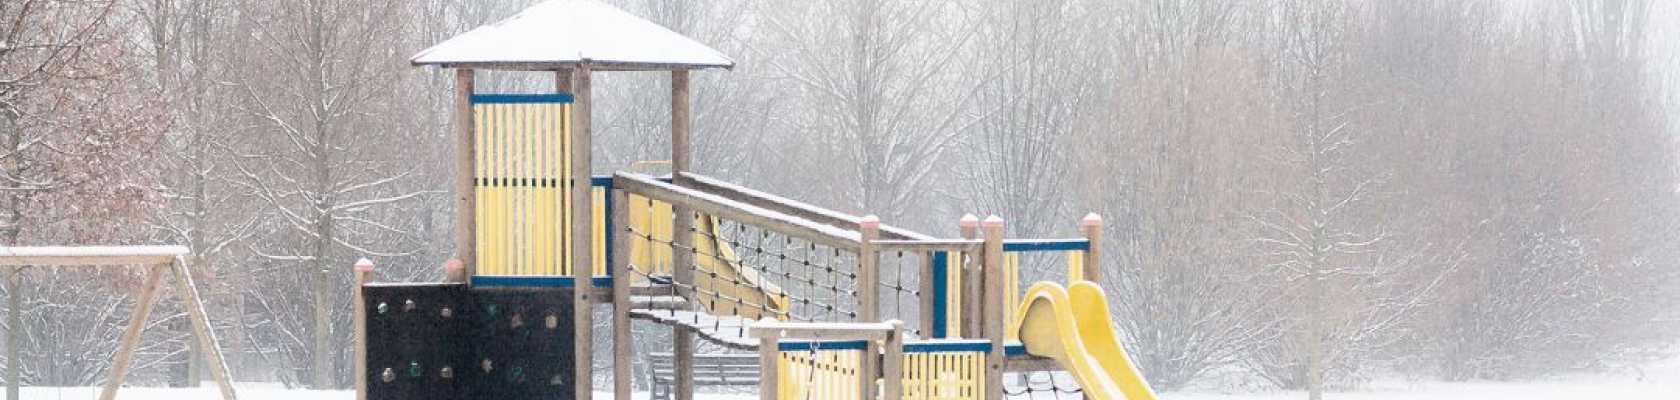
(158, 260)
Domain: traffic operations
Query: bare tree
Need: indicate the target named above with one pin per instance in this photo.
(328, 156)
(880, 93)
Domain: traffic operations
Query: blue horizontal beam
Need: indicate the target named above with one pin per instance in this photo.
(816, 345)
(1025, 245)
(521, 98)
(535, 281)
(1014, 348)
(949, 346)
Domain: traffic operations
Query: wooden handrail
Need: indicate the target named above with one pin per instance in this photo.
(951, 245)
(712, 204)
(789, 206)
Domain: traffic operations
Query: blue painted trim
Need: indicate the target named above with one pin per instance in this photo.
(1022, 245)
(604, 181)
(521, 98)
(949, 346)
(815, 345)
(941, 279)
(1014, 348)
(535, 281)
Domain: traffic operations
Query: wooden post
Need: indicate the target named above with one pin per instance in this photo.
(973, 286)
(868, 289)
(582, 248)
(1091, 225)
(187, 292)
(768, 378)
(466, 224)
(682, 230)
(924, 305)
(131, 335)
(621, 277)
(364, 272)
(993, 310)
(892, 368)
(681, 154)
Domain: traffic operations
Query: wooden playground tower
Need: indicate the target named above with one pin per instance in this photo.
(802, 286)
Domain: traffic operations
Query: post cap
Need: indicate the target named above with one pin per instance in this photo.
(1090, 220)
(968, 221)
(870, 222)
(364, 265)
(993, 221)
(452, 265)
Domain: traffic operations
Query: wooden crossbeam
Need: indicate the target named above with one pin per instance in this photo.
(93, 256)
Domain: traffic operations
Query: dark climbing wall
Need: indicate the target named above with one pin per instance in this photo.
(445, 342)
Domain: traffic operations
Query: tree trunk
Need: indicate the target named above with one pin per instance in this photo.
(14, 308)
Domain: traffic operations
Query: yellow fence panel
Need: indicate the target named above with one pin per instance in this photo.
(956, 375)
(820, 374)
(521, 177)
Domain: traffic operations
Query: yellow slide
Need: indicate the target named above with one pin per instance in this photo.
(1072, 326)
(722, 286)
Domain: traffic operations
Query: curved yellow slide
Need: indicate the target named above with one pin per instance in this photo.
(1072, 326)
(723, 286)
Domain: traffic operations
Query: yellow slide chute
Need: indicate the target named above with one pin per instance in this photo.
(720, 283)
(1072, 326)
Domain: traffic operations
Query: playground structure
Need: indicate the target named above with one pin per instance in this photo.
(836, 306)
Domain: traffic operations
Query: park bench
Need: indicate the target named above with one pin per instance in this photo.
(709, 369)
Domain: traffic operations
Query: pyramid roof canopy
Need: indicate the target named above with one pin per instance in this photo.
(561, 33)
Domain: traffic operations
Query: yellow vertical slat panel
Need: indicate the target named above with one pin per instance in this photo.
(539, 207)
(500, 242)
(953, 295)
(1076, 266)
(598, 216)
(478, 186)
(1011, 288)
(566, 199)
(557, 135)
(528, 189)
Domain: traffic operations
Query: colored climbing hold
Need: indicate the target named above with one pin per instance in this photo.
(387, 376)
(383, 307)
(414, 369)
(446, 372)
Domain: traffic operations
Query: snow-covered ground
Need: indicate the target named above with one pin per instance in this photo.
(1660, 381)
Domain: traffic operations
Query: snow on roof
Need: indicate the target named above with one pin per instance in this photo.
(558, 33)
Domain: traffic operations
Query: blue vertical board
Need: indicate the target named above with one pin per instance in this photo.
(941, 279)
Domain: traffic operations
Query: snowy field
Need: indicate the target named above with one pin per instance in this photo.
(1659, 381)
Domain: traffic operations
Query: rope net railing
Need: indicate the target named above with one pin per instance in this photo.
(745, 270)
(730, 263)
